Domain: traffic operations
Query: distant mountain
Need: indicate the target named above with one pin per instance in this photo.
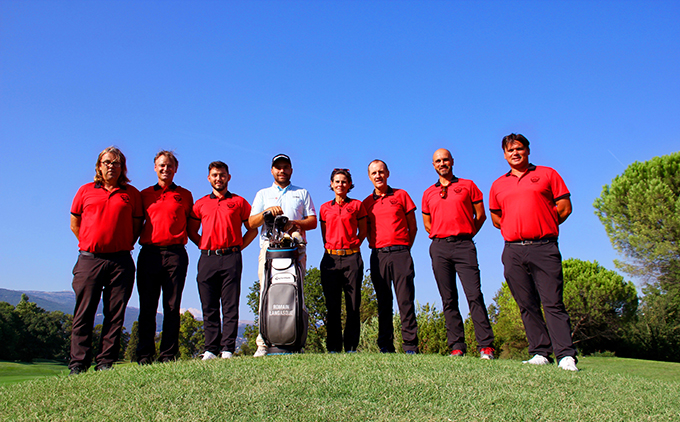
(66, 301)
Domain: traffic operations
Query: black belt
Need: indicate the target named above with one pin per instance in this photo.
(163, 248)
(453, 238)
(392, 248)
(221, 252)
(105, 255)
(533, 241)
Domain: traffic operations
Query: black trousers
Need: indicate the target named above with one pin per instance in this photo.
(534, 275)
(449, 258)
(338, 274)
(107, 276)
(395, 267)
(219, 281)
(160, 270)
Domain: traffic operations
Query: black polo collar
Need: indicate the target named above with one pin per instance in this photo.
(99, 185)
(530, 168)
(226, 195)
(389, 192)
(454, 180)
(346, 201)
(172, 186)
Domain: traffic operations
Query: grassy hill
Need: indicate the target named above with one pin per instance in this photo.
(366, 386)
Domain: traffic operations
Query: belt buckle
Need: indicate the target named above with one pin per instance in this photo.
(219, 252)
(341, 252)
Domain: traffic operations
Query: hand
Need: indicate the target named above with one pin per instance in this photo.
(275, 210)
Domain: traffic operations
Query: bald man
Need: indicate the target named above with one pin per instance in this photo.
(453, 213)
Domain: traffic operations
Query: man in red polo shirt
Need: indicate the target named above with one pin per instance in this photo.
(391, 232)
(221, 215)
(453, 212)
(163, 260)
(528, 204)
(106, 218)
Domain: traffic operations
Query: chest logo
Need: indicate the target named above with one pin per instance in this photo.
(535, 179)
(178, 198)
(231, 204)
(394, 201)
(125, 197)
(458, 189)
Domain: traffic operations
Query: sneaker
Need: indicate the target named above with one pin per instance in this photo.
(226, 355)
(261, 351)
(410, 352)
(208, 355)
(386, 350)
(457, 353)
(568, 363)
(537, 360)
(78, 370)
(486, 353)
(103, 367)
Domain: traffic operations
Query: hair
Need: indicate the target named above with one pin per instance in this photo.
(218, 165)
(122, 179)
(169, 155)
(514, 137)
(346, 173)
(379, 161)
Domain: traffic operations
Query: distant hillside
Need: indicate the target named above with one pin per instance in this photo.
(66, 301)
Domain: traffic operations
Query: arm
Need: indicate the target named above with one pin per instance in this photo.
(251, 234)
(363, 229)
(563, 209)
(75, 225)
(323, 232)
(307, 223)
(192, 230)
(479, 215)
(137, 224)
(256, 220)
(427, 222)
(496, 218)
(412, 228)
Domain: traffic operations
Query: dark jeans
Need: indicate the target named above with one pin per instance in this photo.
(219, 281)
(338, 274)
(534, 275)
(449, 258)
(395, 267)
(112, 277)
(160, 270)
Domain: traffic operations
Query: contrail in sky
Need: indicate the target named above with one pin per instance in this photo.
(617, 159)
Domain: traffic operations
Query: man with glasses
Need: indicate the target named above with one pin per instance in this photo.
(391, 232)
(453, 212)
(106, 218)
(282, 198)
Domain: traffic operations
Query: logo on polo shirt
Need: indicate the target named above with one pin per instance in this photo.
(178, 198)
(394, 201)
(125, 197)
(231, 204)
(535, 179)
(458, 189)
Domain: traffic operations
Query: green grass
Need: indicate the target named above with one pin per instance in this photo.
(648, 369)
(370, 387)
(13, 372)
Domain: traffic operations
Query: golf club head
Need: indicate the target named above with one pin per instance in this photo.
(280, 222)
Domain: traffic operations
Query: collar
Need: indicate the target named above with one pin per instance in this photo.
(280, 189)
(172, 186)
(389, 192)
(346, 201)
(99, 185)
(226, 195)
(439, 183)
(530, 168)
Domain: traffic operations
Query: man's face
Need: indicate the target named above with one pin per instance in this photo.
(110, 168)
(517, 155)
(378, 174)
(281, 170)
(165, 169)
(443, 163)
(219, 179)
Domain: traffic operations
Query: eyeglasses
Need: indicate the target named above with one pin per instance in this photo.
(347, 170)
(108, 163)
(444, 191)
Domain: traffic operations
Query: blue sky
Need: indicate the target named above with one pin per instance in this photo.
(593, 85)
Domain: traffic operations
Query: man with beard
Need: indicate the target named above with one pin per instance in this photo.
(219, 269)
(453, 212)
(391, 232)
(106, 218)
(282, 198)
(163, 260)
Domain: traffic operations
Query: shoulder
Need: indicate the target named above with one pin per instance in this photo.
(148, 190)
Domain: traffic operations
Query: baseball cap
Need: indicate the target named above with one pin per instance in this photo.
(281, 157)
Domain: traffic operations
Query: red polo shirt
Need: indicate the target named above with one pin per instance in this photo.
(165, 211)
(221, 220)
(453, 215)
(342, 223)
(106, 217)
(387, 218)
(527, 203)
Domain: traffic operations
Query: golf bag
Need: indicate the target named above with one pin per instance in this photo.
(283, 314)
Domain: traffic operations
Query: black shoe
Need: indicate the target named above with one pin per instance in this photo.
(78, 370)
(144, 361)
(103, 367)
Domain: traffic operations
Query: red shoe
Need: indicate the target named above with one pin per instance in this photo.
(486, 353)
(457, 353)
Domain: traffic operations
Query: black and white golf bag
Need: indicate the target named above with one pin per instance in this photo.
(283, 314)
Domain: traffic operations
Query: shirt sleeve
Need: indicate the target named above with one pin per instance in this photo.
(424, 203)
(137, 208)
(77, 205)
(245, 210)
(362, 211)
(409, 205)
(258, 203)
(558, 187)
(476, 195)
(493, 203)
(309, 205)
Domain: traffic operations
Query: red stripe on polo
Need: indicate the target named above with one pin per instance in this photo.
(106, 224)
(165, 211)
(221, 220)
(453, 215)
(387, 218)
(527, 203)
(342, 223)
